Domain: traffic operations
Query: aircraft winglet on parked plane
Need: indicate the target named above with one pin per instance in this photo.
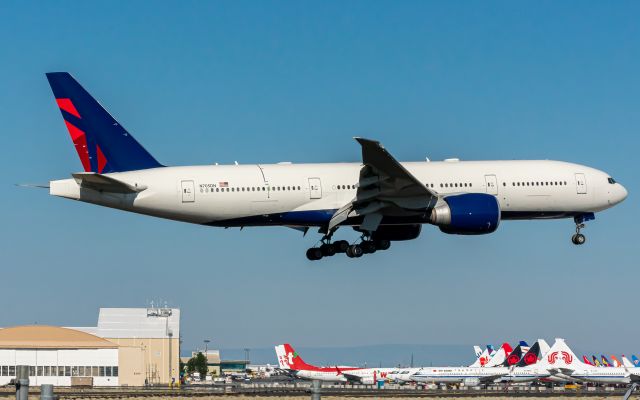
(381, 198)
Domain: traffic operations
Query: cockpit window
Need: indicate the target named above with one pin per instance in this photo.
(611, 180)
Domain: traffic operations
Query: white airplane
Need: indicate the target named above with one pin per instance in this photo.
(289, 359)
(492, 372)
(561, 361)
(403, 375)
(381, 198)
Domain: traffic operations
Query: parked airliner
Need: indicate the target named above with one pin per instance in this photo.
(381, 198)
(290, 360)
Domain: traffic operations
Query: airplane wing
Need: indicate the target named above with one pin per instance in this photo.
(352, 378)
(385, 187)
(491, 378)
(104, 183)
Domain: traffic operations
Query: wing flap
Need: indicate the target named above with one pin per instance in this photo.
(385, 187)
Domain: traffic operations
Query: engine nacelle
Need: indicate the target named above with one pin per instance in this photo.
(469, 382)
(397, 232)
(467, 214)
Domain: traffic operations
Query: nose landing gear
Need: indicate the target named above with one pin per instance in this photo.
(579, 238)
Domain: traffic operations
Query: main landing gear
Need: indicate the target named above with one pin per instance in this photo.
(579, 238)
(356, 250)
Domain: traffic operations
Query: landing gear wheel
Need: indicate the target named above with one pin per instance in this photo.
(314, 254)
(341, 246)
(328, 249)
(382, 244)
(355, 251)
(578, 239)
(368, 247)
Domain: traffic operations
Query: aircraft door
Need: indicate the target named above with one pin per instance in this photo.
(492, 184)
(315, 188)
(581, 184)
(188, 192)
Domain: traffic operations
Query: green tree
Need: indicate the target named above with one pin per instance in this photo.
(201, 365)
(191, 366)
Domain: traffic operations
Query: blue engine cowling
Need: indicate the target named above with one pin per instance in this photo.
(467, 214)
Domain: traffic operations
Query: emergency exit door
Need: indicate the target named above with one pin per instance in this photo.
(315, 188)
(581, 184)
(188, 192)
(492, 184)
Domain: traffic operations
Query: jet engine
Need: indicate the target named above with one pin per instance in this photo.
(471, 382)
(467, 214)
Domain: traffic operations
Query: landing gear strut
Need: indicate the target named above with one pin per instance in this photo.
(579, 238)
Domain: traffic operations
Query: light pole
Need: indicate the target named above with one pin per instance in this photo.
(206, 346)
(246, 354)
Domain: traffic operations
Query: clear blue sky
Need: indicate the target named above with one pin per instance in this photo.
(204, 82)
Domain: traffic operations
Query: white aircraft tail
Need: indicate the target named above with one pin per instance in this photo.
(626, 362)
(482, 359)
(477, 350)
(544, 347)
(500, 356)
(561, 356)
(281, 354)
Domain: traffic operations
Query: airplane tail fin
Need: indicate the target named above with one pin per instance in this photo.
(281, 355)
(477, 350)
(561, 356)
(605, 362)
(585, 359)
(544, 347)
(514, 357)
(615, 362)
(103, 145)
(482, 359)
(531, 356)
(291, 358)
(596, 362)
(500, 356)
(626, 362)
(636, 360)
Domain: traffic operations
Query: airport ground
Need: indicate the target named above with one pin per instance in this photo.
(328, 393)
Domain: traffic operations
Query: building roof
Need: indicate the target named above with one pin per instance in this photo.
(143, 323)
(50, 337)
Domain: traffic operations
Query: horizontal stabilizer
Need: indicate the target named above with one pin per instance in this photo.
(104, 183)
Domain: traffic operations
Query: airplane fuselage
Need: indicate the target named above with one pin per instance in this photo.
(305, 195)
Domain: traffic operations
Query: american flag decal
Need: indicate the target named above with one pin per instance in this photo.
(223, 184)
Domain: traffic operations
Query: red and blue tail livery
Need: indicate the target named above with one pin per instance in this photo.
(103, 145)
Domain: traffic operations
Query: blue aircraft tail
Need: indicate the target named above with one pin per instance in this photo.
(103, 145)
(636, 361)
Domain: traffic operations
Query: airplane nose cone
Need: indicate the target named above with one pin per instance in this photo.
(620, 194)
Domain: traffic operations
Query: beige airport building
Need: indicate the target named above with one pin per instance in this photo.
(128, 347)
